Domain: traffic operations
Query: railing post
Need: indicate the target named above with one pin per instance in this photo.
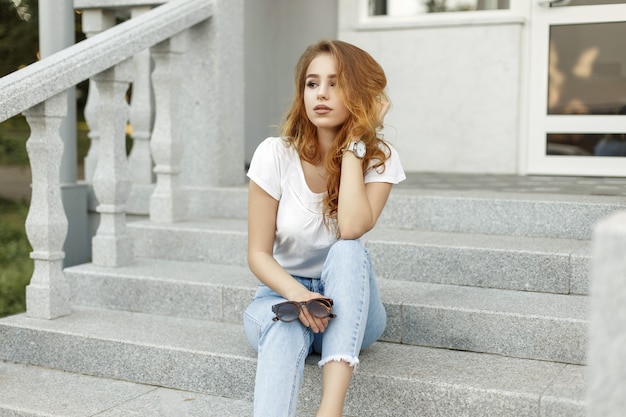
(606, 375)
(94, 21)
(141, 114)
(112, 245)
(168, 202)
(48, 294)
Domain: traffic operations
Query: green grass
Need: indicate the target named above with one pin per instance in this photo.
(16, 267)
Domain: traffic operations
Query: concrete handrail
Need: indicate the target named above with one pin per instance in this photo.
(44, 79)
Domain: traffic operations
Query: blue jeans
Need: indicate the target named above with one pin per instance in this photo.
(347, 278)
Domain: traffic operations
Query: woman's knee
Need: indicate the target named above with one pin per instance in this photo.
(347, 249)
(289, 340)
(346, 259)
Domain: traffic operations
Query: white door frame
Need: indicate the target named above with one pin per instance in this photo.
(540, 123)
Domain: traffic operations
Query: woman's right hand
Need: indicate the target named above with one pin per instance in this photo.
(262, 212)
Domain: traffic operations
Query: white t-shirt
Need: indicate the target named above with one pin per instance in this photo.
(302, 239)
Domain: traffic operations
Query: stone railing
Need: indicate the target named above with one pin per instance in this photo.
(196, 49)
(606, 354)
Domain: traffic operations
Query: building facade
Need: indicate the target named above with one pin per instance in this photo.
(486, 86)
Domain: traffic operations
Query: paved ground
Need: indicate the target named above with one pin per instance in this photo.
(515, 183)
(15, 183)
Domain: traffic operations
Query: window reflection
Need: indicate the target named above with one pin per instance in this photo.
(591, 144)
(415, 7)
(587, 76)
(587, 69)
(593, 2)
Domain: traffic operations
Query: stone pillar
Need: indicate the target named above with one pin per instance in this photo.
(214, 103)
(48, 294)
(113, 245)
(141, 114)
(607, 334)
(56, 32)
(168, 203)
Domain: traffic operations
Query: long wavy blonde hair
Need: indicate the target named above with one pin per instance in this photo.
(361, 84)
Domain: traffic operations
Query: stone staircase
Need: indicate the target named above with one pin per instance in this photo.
(486, 294)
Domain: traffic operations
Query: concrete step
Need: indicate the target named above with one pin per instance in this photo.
(215, 359)
(564, 215)
(498, 213)
(195, 290)
(518, 324)
(493, 261)
(513, 323)
(213, 240)
(506, 262)
(29, 391)
(227, 202)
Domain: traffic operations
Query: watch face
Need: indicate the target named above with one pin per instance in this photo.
(359, 149)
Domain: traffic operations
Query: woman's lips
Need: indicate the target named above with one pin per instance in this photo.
(321, 109)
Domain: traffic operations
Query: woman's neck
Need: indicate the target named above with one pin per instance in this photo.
(325, 139)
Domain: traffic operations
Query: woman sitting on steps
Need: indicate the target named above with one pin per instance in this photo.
(314, 192)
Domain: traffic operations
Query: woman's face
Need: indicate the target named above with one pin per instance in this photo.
(322, 99)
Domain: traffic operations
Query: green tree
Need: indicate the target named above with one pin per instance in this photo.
(19, 34)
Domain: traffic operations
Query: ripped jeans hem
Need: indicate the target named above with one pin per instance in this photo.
(350, 360)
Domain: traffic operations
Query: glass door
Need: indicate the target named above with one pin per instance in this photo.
(577, 112)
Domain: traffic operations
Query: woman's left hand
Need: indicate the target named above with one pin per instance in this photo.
(316, 324)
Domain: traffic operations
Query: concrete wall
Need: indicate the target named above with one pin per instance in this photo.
(276, 34)
(455, 92)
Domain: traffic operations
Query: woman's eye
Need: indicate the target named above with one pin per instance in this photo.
(311, 84)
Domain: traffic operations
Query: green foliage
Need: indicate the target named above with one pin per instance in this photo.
(13, 136)
(15, 132)
(19, 46)
(16, 267)
(19, 34)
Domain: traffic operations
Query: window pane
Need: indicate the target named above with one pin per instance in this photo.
(587, 70)
(575, 144)
(378, 7)
(414, 7)
(593, 2)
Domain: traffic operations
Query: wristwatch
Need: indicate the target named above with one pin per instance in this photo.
(357, 148)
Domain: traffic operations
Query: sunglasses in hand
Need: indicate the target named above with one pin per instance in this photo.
(290, 310)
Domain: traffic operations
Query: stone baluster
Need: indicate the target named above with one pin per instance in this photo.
(94, 21)
(112, 245)
(141, 114)
(168, 202)
(48, 294)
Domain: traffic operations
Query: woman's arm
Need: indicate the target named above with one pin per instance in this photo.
(262, 210)
(359, 204)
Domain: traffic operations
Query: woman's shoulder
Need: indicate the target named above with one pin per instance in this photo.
(391, 170)
(275, 142)
(388, 149)
(275, 145)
